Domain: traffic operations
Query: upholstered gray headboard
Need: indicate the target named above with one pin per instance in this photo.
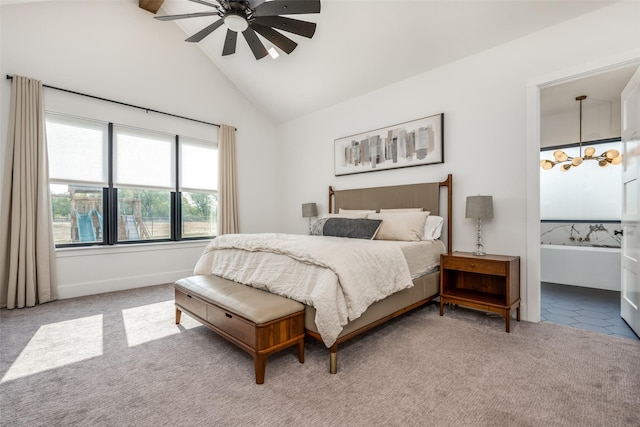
(425, 196)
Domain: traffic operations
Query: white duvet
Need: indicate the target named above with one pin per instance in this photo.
(339, 277)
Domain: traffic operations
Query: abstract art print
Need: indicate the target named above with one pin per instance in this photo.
(415, 143)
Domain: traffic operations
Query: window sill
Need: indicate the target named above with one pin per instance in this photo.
(128, 248)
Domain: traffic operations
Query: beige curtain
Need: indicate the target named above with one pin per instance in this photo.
(27, 251)
(227, 181)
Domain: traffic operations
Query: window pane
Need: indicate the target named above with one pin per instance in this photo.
(77, 214)
(198, 166)
(199, 215)
(143, 214)
(143, 159)
(77, 149)
(587, 192)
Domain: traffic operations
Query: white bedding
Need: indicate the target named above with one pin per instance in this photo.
(339, 277)
(422, 257)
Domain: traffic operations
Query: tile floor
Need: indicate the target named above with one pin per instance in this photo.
(595, 310)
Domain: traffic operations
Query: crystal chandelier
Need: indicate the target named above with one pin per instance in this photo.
(566, 162)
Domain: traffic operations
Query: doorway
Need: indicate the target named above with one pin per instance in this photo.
(569, 302)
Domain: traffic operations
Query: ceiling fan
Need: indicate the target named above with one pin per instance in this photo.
(254, 16)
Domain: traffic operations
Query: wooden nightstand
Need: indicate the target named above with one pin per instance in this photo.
(489, 282)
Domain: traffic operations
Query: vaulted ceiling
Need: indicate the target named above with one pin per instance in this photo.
(362, 45)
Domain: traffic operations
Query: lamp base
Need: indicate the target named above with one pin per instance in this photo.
(479, 251)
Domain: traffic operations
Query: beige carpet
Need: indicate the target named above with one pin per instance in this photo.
(119, 360)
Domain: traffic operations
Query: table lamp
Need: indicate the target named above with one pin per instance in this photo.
(479, 208)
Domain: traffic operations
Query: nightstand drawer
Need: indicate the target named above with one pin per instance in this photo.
(474, 265)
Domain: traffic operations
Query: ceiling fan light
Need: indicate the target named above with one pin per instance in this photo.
(273, 52)
(617, 160)
(565, 168)
(577, 161)
(603, 163)
(236, 22)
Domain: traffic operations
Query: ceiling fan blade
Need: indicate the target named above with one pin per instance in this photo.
(206, 3)
(185, 15)
(287, 7)
(295, 26)
(205, 32)
(230, 43)
(258, 49)
(255, 3)
(283, 42)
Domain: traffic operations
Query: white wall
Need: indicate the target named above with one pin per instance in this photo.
(484, 99)
(116, 50)
(600, 120)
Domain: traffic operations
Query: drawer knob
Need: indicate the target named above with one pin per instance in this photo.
(473, 265)
(228, 315)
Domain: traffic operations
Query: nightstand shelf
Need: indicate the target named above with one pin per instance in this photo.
(489, 283)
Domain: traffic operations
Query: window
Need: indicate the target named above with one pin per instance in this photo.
(144, 173)
(198, 186)
(585, 193)
(77, 175)
(118, 184)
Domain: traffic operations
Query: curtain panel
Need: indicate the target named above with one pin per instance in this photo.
(227, 179)
(27, 250)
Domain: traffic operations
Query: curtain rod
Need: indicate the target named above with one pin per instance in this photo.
(124, 103)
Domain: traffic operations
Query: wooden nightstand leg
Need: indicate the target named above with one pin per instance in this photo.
(508, 320)
(441, 307)
(518, 312)
(178, 313)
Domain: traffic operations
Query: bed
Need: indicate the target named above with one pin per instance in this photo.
(322, 272)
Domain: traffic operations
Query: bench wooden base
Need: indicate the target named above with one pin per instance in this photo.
(258, 340)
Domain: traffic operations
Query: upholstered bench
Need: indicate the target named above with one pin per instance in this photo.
(257, 321)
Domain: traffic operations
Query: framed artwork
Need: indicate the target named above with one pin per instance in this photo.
(415, 143)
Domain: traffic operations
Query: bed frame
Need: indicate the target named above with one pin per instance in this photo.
(426, 288)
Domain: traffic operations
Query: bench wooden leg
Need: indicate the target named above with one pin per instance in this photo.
(178, 313)
(260, 364)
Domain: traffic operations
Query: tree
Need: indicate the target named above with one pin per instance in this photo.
(61, 206)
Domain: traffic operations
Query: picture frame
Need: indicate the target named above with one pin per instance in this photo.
(415, 143)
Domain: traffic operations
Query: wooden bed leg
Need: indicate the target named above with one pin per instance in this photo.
(300, 348)
(260, 364)
(333, 359)
(178, 313)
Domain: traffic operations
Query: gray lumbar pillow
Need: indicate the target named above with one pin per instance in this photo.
(355, 228)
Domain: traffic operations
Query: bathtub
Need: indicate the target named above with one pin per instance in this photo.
(590, 267)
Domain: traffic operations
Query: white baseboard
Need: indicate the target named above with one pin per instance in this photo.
(74, 290)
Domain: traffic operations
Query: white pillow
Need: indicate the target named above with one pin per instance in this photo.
(401, 210)
(356, 211)
(345, 215)
(432, 227)
(406, 226)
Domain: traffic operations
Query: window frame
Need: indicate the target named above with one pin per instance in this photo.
(110, 207)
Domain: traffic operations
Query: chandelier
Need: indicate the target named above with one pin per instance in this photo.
(566, 162)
